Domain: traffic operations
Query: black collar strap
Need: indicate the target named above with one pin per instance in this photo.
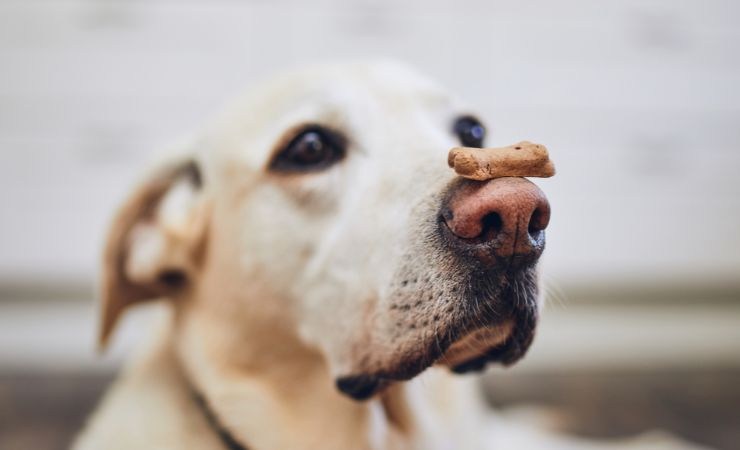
(225, 435)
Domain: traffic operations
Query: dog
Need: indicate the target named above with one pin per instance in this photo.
(327, 276)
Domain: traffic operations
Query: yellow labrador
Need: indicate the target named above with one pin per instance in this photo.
(318, 255)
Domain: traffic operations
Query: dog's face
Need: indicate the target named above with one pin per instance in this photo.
(322, 204)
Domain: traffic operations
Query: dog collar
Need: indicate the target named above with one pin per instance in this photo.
(228, 439)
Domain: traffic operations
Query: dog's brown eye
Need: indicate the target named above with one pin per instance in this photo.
(314, 148)
(470, 131)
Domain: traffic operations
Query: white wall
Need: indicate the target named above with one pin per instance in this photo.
(638, 102)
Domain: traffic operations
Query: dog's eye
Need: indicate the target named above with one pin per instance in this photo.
(470, 131)
(314, 148)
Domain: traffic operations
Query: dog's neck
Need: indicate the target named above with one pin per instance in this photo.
(283, 397)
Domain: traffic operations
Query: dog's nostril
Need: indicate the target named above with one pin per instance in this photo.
(538, 220)
(491, 225)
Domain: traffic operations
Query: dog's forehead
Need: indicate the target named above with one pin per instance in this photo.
(368, 101)
(346, 87)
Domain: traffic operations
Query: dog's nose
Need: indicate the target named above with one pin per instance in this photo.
(504, 216)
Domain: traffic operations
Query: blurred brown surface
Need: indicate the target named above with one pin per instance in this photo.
(701, 406)
(45, 411)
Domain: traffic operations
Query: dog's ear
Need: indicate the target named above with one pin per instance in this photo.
(156, 242)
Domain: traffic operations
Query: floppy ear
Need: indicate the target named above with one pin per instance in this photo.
(156, 242)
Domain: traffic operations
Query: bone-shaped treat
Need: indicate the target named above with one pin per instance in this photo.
(524, 159)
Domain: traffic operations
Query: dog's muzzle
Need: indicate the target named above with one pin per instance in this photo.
(483, 307)
(497, 226)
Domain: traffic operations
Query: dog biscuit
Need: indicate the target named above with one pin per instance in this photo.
(524, 159)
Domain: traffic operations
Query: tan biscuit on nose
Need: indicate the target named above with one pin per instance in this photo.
(524, 159)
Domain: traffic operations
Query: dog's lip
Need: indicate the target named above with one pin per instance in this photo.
(475, 344)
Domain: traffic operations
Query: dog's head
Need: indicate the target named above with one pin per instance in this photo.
(320, 210)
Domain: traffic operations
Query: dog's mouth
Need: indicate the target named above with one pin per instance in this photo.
(503, 342)
(466, 343)
(475, 345)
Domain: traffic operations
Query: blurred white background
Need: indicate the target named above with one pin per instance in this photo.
(638, 102)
